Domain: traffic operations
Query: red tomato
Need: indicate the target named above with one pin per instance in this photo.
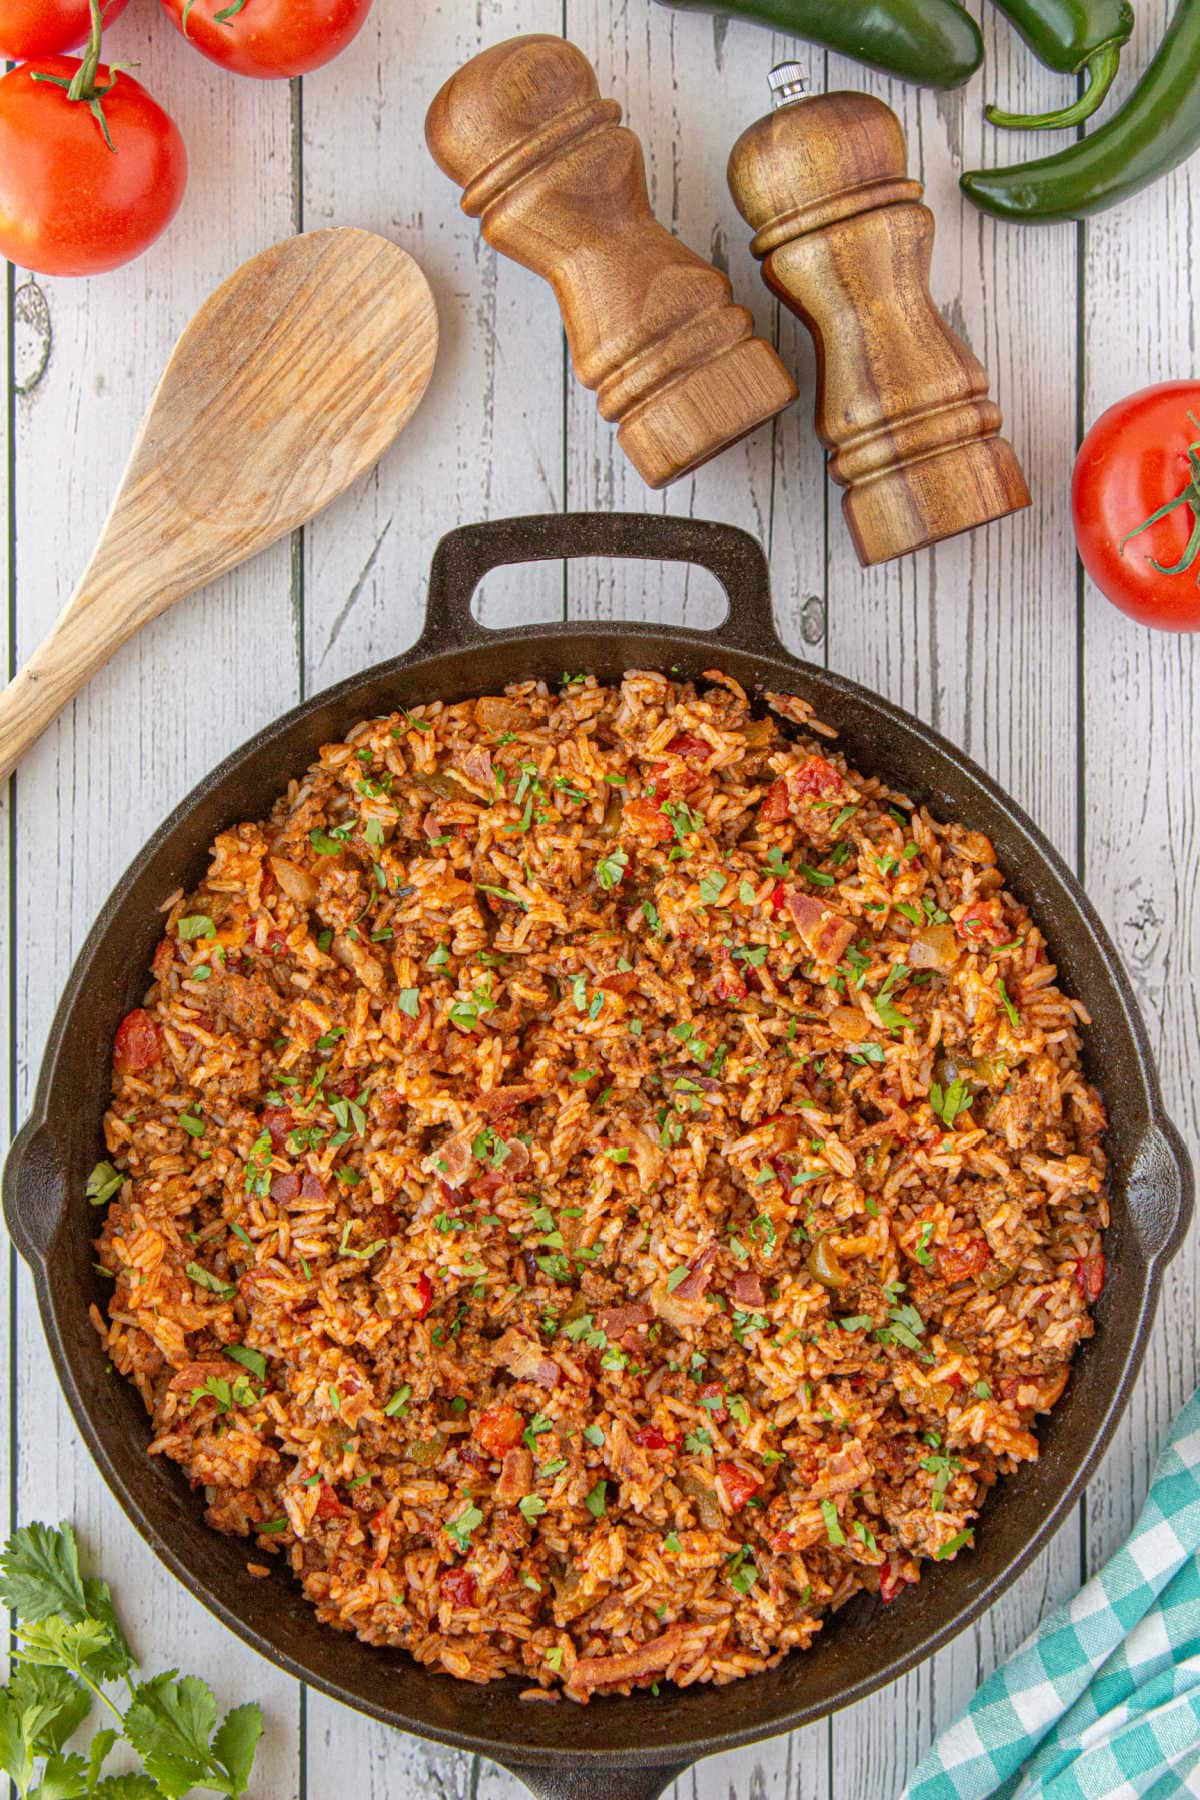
(1140, 457)
(891, 1582)
(499, 1428)
(44, 27)
(70, 205)
(729, 985)
(739, 1484)
(138, 1044)
(1089, 1275)
(960, 1262)
(712, 1390)
(775, 807)
(651, 1438)
(424, 1295)
(328, 1505)
(688, 745)
(646, 817)
(814, 779)
(458, 1587)
(271, 39)
(982, 923)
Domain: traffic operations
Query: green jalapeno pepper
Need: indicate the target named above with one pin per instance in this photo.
(934, 42)
(1157, 128)
(1070, 36)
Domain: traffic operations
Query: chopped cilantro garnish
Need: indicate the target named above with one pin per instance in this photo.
(947, 1102)
(596, 1501)
(742, 1572)
(460, 1528)
(323, 844)
(197, 925)
(958, 1542)
(610, 869)
(833, 1528)
(103, 1183)
(204, 1278)
(1013, 1015)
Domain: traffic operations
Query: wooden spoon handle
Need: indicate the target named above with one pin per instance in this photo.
(96, 621)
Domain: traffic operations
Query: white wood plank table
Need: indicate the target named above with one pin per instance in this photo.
(1090, 721)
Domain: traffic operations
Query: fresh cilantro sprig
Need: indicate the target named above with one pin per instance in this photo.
(70, 1644)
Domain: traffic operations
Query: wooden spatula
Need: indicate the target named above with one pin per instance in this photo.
(293, 379)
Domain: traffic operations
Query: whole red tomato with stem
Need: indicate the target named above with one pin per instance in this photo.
(270, 39)
(1136, 503)
(91, 167)
(44, 27)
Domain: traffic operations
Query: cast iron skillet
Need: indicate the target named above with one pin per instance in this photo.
(614, 1749)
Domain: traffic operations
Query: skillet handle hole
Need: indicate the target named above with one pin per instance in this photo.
(602, 588)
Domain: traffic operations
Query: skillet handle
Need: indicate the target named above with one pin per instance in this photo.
(465, 556)
(1161, 1190)
(34, 1181)
(600, 1783)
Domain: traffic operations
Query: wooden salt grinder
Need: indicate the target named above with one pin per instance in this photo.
(845, 242)
(560, 187)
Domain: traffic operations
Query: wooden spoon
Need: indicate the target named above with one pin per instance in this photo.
(293, 379)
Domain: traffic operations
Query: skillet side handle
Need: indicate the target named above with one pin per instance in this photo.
(1161, 1190)
(465, 556)
(597, 1784)
(33, 1189)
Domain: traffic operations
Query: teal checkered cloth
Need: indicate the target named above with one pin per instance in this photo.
(1103, 1701)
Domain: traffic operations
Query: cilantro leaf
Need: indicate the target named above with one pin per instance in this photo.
(16, 1751)
(460, 1528)
(198, 925)
(833, 1526)
(169, 1724)
(39, 1573)
(254, 1360)
(234, 1745)
(52, 1703)
(611, 868)
(103, 1184)
(63, 1778)
(102, 1743)
(890, 1016)
(947, 1102)
(955, 1544)
(79, 1645)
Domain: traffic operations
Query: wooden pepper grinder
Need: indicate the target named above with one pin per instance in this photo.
(560, 186)
(845, 242)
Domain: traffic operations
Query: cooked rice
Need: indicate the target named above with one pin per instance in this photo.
(535, 1225)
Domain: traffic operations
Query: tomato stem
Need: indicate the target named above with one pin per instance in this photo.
(1190, 497)
(83, 86)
